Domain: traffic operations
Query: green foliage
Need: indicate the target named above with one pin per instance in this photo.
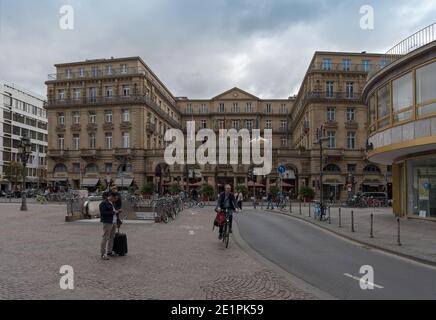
(175, 188)
(243, 189)
(307, 193)
(274, 190)
(148, 188)
(207, 190)
(14, 172)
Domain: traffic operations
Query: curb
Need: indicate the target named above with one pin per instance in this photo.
(374, 246)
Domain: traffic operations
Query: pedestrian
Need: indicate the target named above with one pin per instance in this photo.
(270, 201)
(109, 218)
(332, 197)
(240, 199)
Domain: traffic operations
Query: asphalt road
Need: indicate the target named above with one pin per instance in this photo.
(330, 263)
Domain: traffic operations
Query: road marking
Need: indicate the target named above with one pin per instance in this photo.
(359, 279)
(191, 233)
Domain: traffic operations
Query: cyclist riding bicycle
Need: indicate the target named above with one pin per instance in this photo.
(226, 203)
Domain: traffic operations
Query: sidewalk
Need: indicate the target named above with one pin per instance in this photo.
(417, 237)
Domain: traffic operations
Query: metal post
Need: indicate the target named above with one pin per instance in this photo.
(372, 226)
(300, 209)
(352, 221)
(309, 209)
(399, 227)
(330, 217)
(290, 205)
(340, 217)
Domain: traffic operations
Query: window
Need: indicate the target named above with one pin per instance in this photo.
(124, 68)
(235, 107)
(77, 93)
(327, 64)
(221, 108)
(91, 168)
(331, 114)
(221, 124)
(92, 117)
(329, 89)
(76, 142)
(384, 106)
(235, 124)
(372, 169)
(365, 65)
(92, 141)
(203, 109)
(268, 124)
(126, 140)
(425, 92)
(351, 140)
(332, 168)
(284, 142)
(203, 124)
(268, 108)
(93, 94)
(402, 97)
(76, 117)
(94, 72)
(284, 125)
(108, 92)
(126, 116)
(283, 109)
(249, 124)
(61, 119)
(126, 90)
(61, 94)
(189, 109)
(248, 107)
(108, 116)
(346, 63)
(350, 114)
(81, 72)
(331, 139)
(60, 168)
(109, 70)
(349, 90)
(68, 73)
(108, 142)
(372, 112)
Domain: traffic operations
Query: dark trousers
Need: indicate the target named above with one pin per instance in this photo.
(230, 223)
(240, 204)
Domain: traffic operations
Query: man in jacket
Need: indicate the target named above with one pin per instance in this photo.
(226, 201)
(109, 218)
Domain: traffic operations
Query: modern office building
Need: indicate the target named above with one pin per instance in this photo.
(107, 120)
(22, 114)
(402, 122)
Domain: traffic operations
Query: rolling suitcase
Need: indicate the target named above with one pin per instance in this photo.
(120, 243)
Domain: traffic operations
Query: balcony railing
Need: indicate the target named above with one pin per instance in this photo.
(362, 68)
(114, 100)
(333, 95)
(90, 153)
(96, 73)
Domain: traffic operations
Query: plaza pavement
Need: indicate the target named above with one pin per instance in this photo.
(417, 237)
(180, 260)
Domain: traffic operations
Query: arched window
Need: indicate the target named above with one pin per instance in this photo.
(124, 168)
(91, 168)
(332, 168)
(60, 168)
(372, 169)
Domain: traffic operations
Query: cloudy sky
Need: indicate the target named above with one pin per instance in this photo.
(200, 48)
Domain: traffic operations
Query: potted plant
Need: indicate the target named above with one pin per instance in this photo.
(307, 194)
(207, 191)
(148, 189)
(175, 188)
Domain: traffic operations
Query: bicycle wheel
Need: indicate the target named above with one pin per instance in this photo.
(227, 237)
(201, 204)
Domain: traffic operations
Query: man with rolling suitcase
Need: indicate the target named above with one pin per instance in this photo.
(109, 218)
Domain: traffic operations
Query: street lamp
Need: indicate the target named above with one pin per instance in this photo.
(320, 138)
(24, 151)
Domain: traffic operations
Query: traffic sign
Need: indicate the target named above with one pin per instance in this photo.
(281, 169)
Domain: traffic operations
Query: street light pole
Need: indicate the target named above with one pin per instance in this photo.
(24, 150)
(321, 137)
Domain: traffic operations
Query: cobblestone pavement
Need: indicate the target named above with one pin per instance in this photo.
(180, 260)
(417, 237)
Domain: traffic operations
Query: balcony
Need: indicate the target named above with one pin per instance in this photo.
(76, 127)
(126, 125)
(123, 152)
(283, 130)
(342, 67)
(108, 126)
(96, 73)
(60, 128)
(90, 154)
(58, 155)
(351, 124)
(115, 100)
(336, 95)
(92, 127)
(331, 124)
(334, 153)
(151, 127)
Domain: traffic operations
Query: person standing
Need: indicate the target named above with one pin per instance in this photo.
(240, 199)
(270, 201)
(109, 218)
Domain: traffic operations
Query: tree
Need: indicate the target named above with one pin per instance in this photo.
(14, 173)
(243, 189)
(175, 188)
(274, 190)
(307, 193)
(207, 191)
(148, 188)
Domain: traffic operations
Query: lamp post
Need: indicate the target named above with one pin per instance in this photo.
(320, 138)
(24, 151)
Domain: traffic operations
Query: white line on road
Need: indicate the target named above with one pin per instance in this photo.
(359, 279)
(191, 233)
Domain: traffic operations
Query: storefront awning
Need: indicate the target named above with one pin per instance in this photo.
(126, 182)
(58, 179)
(372, 184)
(89, 182)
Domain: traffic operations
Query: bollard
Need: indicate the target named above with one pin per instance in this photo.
(352, 221)
(290, 205)
(300, 209)
(398, 238)
(372, 226)
(340, 217)
(309, 209)
(330, 217)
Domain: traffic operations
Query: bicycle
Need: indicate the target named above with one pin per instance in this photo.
(41, 199)
(226, 229)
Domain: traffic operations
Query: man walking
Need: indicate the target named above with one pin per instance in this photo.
(109, 218)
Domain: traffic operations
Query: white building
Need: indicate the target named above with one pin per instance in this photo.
(22, 114)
